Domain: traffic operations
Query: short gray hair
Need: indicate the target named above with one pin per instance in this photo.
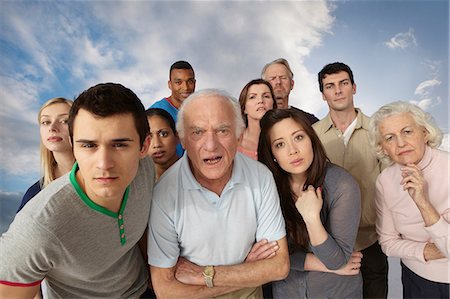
(212, 92)
(281, 61)
(421, 118)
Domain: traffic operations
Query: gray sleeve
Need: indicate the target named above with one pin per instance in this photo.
(163, 248)
(297, 260)
(342, 219)
(27, 252)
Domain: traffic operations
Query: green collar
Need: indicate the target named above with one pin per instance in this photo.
(92, 204)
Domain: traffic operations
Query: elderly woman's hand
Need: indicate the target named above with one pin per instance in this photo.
(414, 182)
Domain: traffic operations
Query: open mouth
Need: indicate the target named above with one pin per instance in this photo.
(212, 161)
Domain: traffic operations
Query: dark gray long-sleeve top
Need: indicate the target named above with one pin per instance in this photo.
(340, 217)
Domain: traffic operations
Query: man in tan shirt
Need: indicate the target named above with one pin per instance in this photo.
(344, 134)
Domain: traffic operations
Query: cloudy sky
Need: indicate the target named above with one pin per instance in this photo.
(398, 50)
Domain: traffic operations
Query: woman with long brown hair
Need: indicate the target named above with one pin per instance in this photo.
(321, 205)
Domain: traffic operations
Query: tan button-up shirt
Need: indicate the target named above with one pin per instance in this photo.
(359, 159)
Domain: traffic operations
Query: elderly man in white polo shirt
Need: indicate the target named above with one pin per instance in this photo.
(211, 207)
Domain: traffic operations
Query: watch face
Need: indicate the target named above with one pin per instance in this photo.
(209, 271)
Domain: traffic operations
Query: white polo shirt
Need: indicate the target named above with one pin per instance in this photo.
(190, 221)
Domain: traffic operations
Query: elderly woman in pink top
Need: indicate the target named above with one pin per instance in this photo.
(413, 198)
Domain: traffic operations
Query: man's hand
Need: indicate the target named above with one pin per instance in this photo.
(262, 250)
(189, 273)
(353, 265)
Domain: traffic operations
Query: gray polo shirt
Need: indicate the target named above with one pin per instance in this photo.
(80, 248)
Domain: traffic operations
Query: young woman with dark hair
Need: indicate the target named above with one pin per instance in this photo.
(321, 205)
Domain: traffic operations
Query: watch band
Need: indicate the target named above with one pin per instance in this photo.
(208, 274)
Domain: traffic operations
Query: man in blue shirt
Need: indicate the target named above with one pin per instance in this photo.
(182, 84)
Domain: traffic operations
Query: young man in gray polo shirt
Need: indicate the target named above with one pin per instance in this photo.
(81, 232)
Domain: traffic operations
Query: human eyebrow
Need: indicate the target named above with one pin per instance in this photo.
(276, 140)
(115, 140)
(125, 139)
(298, 131)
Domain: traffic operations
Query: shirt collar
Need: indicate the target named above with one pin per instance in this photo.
(360, 123)
(189, 182)
(426, 159)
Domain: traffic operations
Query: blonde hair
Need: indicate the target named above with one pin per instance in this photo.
(48, 162)
(422, 118)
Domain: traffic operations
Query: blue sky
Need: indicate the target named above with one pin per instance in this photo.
(398, 50)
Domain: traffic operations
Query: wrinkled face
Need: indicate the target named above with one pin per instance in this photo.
(210, 139)
(53, 127)
(163, 141)
(278, 76)
(291, 146)
(182, 84)
(402, 139)
(338, 91)
(108, 151)
(258, 101)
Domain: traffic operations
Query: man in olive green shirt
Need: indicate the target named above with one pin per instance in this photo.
(344, 134)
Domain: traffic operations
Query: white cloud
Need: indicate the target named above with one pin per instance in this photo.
(424, 104)
(424, 87)
(433, 66)
(402, 40)
(61, 45)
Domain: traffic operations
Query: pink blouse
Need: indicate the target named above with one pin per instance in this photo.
(400, 226)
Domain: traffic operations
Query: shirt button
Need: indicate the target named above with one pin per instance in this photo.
(121, 227)
(122, 236)
(120, 216)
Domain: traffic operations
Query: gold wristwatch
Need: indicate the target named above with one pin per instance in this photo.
(208, 274)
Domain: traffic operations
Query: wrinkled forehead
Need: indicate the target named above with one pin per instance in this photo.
(396, 122)
(208, 108)
(276, 69)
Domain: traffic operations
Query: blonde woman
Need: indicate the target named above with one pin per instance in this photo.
(55, 149)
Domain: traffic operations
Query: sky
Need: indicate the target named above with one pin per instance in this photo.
(398, 50)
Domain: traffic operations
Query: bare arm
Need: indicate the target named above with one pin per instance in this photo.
(249, 274)
(166, 285)
(312, 263)
(185, 280)
(13, 292)
(262, 250)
